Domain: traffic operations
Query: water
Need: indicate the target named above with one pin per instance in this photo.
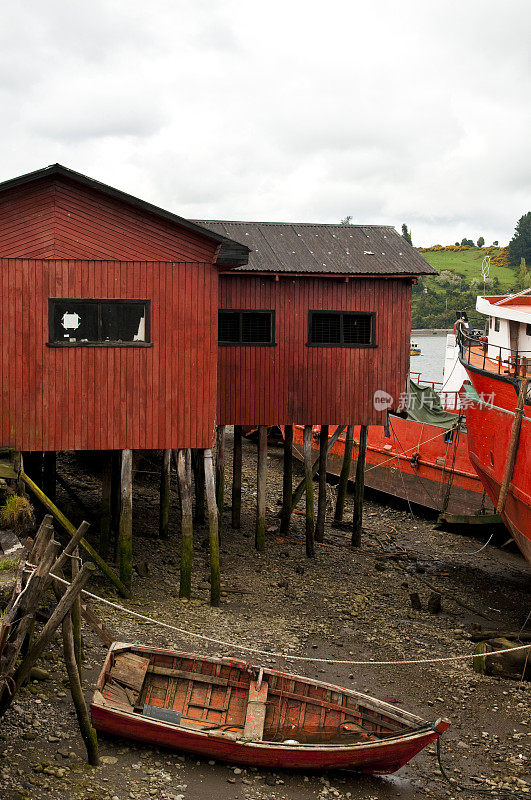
(430, 364)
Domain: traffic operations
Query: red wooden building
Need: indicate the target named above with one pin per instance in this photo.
(315, 324)
(108, 320)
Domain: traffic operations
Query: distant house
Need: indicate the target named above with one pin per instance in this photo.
(315, 323)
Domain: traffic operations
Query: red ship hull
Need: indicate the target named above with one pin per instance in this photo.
(416, 463)
(489, 424)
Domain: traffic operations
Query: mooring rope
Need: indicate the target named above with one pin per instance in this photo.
(272, 654)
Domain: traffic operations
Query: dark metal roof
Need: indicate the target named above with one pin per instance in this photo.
(231, 252)
(313, 248)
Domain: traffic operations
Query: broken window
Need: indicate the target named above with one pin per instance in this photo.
(341, 329)
(105, 322)
(246, 327)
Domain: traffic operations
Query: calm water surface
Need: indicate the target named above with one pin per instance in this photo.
(431, 362)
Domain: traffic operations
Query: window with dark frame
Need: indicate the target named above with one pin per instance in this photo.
(246, 327)
(528, 329)
(341, 329)
(98, 322)
(496, 323)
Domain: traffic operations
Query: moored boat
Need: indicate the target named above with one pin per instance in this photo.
(499, 426)
(233, 711)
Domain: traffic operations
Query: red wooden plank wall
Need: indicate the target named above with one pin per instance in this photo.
(56, 218)
(295, 384)
(103, 397)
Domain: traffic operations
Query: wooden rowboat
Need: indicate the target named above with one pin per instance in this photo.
(232, 711)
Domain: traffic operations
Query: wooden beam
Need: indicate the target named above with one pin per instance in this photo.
(164, 509)
(76, 690)
(237, 478)
(513, 447)
(287, 480)
(261, 489)
(116, 467)
(359, 486)
(199, 486)
(125, 531)
(184, 474)
(71, 530)
(321, 502)
(308, 479)
(300, 489)
(220, 468)
(210, 491)
(106, 514)
(344, 475)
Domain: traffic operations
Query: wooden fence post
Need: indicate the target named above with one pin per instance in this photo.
(287, 480)
(261, 488)
(220, 468)
(125, 533)
(164, 510)
(237, 478)
(184, 473)
(321, 503)
(359, 487)
(308, 480)
(344, 475)
(210, 491)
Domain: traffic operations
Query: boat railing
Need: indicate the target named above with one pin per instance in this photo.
(479, 352)
(449, 400)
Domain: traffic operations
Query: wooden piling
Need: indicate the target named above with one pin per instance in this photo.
(184, 474)
(75, 615)
(220, 468)
(301, 487)
(199, 486)
(125, 532)
(261, 488)
(359, 487)
(106, 511)
(210, 491)
(164, 509)
(287, 480)
(308, 480)
(237, 478)
(116, 467)
(321, 502)
(344, 475)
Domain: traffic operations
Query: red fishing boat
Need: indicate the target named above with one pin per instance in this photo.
(232, 711)
(498, 408)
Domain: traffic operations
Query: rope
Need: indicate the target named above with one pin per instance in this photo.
(235, 646)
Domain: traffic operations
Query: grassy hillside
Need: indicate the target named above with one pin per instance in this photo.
(436, 299)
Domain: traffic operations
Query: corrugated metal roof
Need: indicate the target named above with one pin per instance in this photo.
(337, 249)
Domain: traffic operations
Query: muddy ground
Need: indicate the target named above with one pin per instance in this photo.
(343, 604)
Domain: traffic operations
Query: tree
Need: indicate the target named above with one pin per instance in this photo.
(346, 220)
(466, 242)
(481, 241)
(457, 244)
(495, 243)
(406, 234)
(520, 244)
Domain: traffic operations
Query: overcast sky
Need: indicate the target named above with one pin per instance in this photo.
(395, 111)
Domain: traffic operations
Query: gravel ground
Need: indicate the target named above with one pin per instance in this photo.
(343, 604)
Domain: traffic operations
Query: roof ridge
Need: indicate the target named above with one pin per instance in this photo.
(308, 224)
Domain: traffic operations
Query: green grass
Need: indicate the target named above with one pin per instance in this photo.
(468, 264)
(8, 565)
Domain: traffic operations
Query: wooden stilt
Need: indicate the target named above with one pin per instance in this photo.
(116, 467)
(106, 512)
(210, 491)
(287, 480)
(301, 487)
(76, 690)
(220, 468)
(344, 475)
(125, 532)
(359, 487)
(18, 466)
(237, 478)
(199, 485)
(164, 510)
(184, 474)
(321, 503)
(261, 480)
(75, 615)
(308, 478)
(49, 466)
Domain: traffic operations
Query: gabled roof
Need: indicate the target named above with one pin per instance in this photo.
(313, 248)
(230, 253)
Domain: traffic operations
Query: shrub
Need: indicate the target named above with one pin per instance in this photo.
(17, 513)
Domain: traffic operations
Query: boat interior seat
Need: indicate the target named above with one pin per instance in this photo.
(256, 710)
